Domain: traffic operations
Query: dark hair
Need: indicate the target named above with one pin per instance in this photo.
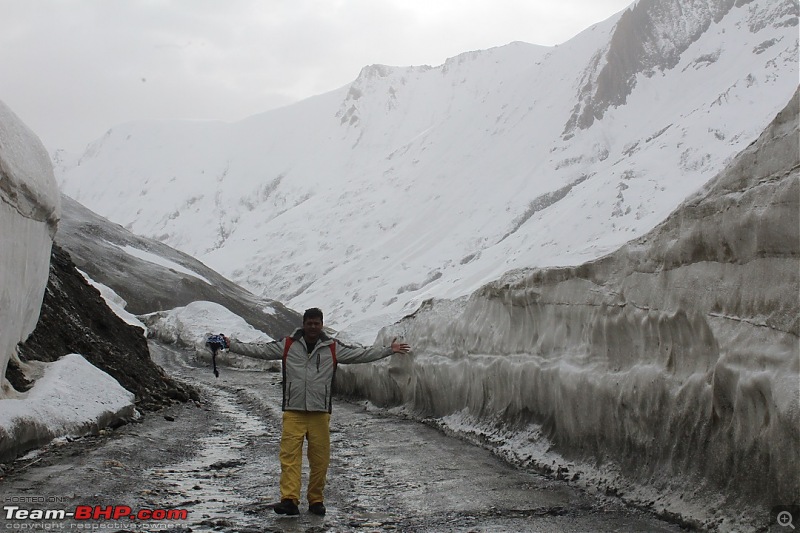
(314, 312)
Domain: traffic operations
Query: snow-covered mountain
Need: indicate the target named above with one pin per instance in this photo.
(421, 182)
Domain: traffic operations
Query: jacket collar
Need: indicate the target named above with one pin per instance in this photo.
(324, 339)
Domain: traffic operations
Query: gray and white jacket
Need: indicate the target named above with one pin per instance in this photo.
(308, 377)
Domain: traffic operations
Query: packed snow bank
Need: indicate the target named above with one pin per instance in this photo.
(667, 372)
(29, 211)
(71, 398)
(191, 325)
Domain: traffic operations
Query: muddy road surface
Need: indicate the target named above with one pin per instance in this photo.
(217, 460)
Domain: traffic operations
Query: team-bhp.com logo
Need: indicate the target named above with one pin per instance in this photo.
(94, 512)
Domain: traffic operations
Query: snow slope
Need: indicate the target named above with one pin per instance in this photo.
(422, 182)
(150, 276)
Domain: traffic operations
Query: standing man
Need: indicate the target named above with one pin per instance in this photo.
(309, 366)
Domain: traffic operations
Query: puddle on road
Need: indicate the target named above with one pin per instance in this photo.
(206, 485)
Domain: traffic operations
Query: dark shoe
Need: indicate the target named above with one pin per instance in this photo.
(286, 507)
(317, 509)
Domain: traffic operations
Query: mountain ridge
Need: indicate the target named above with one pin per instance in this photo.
(330, 202)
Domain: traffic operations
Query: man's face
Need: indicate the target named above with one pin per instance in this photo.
(312, 328)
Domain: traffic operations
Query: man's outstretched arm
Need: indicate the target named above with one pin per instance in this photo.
(271, 351)
(346, 353)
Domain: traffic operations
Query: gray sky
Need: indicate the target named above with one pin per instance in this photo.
(72, 69)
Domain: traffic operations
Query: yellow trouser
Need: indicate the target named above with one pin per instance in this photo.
(299, 425)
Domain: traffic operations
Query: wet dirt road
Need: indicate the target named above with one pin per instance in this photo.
(218, 460)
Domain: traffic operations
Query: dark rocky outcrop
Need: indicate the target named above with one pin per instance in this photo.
(75, 319)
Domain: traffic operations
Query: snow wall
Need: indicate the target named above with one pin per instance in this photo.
(666, 372)
(29, 212)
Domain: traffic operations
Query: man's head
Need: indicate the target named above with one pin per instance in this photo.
(312, 324)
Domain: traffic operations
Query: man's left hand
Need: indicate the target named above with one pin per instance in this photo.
(400, 347)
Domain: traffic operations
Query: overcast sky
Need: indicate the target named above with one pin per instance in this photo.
(72, 69)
